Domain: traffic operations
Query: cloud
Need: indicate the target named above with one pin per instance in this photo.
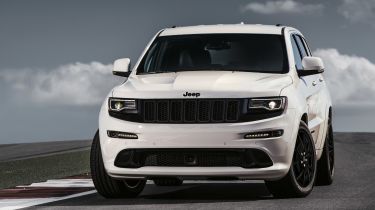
(70, 84)
(349, 78)
(282, 7)
(358, 11)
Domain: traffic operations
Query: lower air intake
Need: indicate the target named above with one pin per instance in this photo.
(245, 158)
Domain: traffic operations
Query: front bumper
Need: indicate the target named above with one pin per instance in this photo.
(221, 135)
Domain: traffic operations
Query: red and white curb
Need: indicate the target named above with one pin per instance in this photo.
(45, 192)
(62, 189)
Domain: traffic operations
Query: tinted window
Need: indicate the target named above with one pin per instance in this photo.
(307, 46)
(301, 46)
(231, 52)
(296, 53)
(150, 60)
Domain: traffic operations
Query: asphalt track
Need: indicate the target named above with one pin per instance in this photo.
(22, 164)
(353, 188)
(12, 152)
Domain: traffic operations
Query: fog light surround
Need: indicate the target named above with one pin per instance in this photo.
(264, 134)
(121, 135)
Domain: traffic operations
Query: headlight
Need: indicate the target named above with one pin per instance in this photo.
(270, 104)
(119, 105)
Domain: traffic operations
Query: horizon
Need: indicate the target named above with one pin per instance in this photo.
(56, 57)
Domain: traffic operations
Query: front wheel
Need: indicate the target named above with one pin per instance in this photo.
(300, 178)
(106, 185)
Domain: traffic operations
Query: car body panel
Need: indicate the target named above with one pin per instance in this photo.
(210, 84)
(303, 98)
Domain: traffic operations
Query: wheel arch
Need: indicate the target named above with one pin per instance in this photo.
(305, 118)
(330, 113)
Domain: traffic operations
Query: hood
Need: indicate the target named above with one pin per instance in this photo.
(209, 84)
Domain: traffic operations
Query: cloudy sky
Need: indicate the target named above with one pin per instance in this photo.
(55, 56)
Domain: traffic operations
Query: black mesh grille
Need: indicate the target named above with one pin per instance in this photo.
(176, 111)
(163, 111)
(233, 108)
(149, 111)
(190, 108)
(190, 111)
(204, 111)
(246, 158)
(218, 111)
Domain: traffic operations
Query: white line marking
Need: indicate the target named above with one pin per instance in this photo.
(8, 204)
(63, 183)
(89, 183)
(14, 203)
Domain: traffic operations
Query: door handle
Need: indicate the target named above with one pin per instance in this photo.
(314, 83)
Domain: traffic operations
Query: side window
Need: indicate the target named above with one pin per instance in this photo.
(301, 46)
(307, 46)
(296, 53)
(150, 62)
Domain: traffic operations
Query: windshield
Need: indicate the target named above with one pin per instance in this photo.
(217, 52)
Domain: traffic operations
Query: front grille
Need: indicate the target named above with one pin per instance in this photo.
(190, 111)
(193, 111)
(246, 158)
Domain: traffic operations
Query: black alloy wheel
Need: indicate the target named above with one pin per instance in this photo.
(299, 181)
(304, 160)
(326, 163)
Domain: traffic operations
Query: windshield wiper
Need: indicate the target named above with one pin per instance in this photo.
(203, 69)
(157, 72)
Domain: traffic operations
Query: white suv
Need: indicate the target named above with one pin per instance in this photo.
(217, 102)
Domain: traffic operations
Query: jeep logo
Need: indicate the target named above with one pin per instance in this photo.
(187, 94)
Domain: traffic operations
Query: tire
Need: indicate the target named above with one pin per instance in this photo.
(326, 163)
(299, 181)
(104, 184)
(168, 182)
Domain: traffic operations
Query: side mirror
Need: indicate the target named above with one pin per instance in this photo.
(311, 66)
(121, 67)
